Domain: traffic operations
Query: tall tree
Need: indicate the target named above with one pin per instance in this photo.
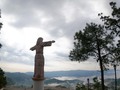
(112, 23)
(115, 59)
(92, 41)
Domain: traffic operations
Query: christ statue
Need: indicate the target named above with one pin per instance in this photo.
(39, 58)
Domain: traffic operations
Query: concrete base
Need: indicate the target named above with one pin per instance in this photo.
(38, 85)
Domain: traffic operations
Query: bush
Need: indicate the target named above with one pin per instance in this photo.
(3, 80)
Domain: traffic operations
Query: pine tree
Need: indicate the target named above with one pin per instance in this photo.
(93, 41)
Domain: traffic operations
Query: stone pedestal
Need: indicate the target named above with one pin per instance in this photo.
(38, 84)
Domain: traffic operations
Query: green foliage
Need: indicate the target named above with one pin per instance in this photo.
(114, 55)
(92, 41)
(0, 27)
(3, 81)
(112, 23)
(96, 85)
(81, 87)
(111, 84)
(0, 45)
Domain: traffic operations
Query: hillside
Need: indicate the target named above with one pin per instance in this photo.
(18, 79)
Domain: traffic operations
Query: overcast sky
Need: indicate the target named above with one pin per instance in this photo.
(26, 20)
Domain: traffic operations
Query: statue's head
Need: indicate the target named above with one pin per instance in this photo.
(39, 40)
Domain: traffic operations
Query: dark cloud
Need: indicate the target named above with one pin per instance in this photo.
(26, 14)
(25, 11)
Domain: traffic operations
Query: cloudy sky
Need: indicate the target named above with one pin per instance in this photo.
(26, 20)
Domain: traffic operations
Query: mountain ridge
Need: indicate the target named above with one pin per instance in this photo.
(70, 73)
(75, 73)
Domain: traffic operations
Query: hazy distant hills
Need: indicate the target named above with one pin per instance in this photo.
(25, 79)
(18, 79)
(74, 73)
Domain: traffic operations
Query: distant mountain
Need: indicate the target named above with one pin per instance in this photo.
(76, 73)
(72, 73)
(25, 79)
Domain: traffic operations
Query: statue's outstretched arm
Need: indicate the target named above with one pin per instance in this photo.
(53, 41)
(48, 43)
(33, 48)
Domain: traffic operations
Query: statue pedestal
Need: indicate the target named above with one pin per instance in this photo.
(38, 84)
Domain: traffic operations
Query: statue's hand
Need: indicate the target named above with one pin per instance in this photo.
(31, 49)
(53, 41)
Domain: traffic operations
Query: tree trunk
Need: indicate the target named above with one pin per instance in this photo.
(102, 74)
(101, 64)
(115, 77)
